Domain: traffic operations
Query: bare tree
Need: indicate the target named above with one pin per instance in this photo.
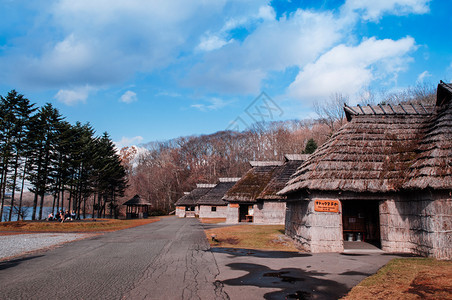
(331, 112)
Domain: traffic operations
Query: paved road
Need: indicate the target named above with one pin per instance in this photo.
(170, 259)
(163, 260)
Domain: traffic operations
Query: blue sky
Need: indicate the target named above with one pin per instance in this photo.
(154, 70)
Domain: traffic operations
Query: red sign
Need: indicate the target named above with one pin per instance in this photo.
(326, 205)
(234, 205)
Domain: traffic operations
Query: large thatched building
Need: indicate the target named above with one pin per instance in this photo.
(385, 177)
(211, 204)
(253, 198)
(187, 205)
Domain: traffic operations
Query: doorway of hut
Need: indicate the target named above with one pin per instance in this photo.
(361, 223)
(246, 213)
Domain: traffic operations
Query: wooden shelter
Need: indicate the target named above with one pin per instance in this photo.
(211, 204)
(187, 205)
(137, 208)
(385, 177)
(253, 198)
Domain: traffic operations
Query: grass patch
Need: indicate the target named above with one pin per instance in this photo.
(259, 237)
(87, 225)
(212, 220)
(407, 278)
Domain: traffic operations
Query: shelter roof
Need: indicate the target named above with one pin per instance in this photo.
(382, 149)
(137, 201)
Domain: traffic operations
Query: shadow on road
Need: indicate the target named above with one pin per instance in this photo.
(258, 253)
(12, 263)
(293, 283)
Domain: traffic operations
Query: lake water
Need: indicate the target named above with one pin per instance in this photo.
(29, 210)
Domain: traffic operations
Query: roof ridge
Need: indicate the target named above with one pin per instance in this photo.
(291, 157)
(267, 163)
(205, 185)
(228, 179)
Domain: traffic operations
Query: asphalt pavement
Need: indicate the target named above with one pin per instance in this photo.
(168, 259)
(171, 259)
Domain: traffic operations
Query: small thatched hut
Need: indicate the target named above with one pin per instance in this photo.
(187, 205)
(137, 208)
(212, 205)
(385, 177)
(242, 197)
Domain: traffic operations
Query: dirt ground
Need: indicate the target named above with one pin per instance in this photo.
(410, 278)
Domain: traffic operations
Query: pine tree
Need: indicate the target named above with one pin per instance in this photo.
(44, 135)
(311, 146)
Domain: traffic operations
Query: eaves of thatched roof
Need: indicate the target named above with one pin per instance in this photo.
(383, 149)
(248, 188)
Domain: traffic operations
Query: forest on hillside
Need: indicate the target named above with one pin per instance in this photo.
(47, 162)
(165, 170)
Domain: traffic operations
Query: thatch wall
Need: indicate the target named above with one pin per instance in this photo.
(314, 231)
(421, 227)
(269, 212)
(205, 211)
(232, 214)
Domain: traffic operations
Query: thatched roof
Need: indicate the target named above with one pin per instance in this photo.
(433, 165)
(248, 188)
(215, 195)
(280, 177)
(193, 197)
(384, 148)
(136, 201)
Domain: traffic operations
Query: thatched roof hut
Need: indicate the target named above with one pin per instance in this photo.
(249, 187)
(385, 175)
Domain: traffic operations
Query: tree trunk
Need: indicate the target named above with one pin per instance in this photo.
(13, 190)
(22, 190)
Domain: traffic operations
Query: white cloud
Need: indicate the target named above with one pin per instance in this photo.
(209, 43)
(346, 69)
(214, 104)
(240, 67)
(128, 97)
(373, 10)
(126, 141)
(73, 96)
(266, 13)
(423, 75)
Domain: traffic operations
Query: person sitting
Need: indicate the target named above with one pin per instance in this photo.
(73, 215)
(50, 217)
(58, 216)
(66, 217)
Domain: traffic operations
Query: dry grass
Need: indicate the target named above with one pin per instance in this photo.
(259, 237)
(409, 278)
(89, 225)
(212, 220)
